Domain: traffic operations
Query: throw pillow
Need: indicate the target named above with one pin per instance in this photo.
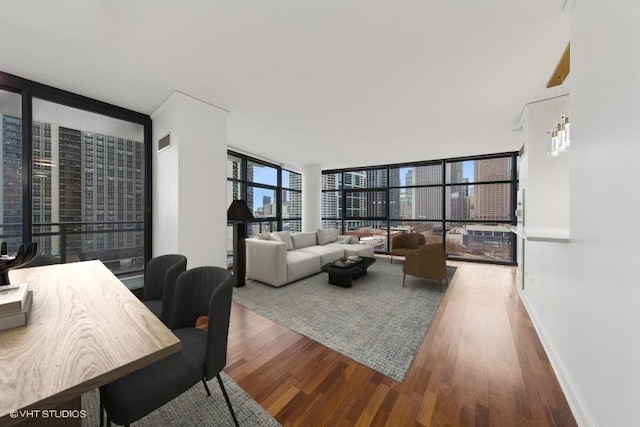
(326, 235)
(354, 240)
(266, 236)
(284, 236)
(344, 240)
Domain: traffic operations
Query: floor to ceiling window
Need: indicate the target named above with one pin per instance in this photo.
(273, 194)
(11, 166)
(466, 204)
(87, 168)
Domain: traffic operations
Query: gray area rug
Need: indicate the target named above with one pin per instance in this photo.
(194, 408)
(377, 322)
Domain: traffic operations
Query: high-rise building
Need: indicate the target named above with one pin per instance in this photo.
(294, 207)
(492, 201)
(330, 202)
(427, 202)
(355, 201)
(86, 187)
(11, 193)
(455, 200)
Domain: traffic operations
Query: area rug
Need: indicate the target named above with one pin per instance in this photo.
(195, 408)
(376, 322)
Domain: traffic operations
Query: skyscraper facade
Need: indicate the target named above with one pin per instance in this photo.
(87, 192)
(492, 201)
(11, 191)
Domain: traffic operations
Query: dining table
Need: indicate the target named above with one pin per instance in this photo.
(85, 329)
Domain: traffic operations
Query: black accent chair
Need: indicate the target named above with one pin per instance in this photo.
(200, 291)
(160, 279)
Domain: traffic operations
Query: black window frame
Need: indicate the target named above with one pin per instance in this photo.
(245, 183)
(29, 90)
(442, 218)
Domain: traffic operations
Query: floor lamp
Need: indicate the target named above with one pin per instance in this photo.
(239, 213)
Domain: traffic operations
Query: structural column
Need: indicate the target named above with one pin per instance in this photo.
(190, 181)
(311, 197)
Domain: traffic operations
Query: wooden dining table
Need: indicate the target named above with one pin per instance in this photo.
(85, 329)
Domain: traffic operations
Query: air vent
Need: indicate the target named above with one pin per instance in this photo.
(164, 142)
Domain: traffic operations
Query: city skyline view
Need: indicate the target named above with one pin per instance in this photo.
(87, 193)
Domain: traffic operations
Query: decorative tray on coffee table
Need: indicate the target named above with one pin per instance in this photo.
(350, 261)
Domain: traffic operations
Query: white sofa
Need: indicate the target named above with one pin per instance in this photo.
(280, 258)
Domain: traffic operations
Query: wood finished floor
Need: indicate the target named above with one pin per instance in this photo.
(480, 364)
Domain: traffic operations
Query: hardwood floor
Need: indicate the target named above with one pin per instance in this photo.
(480, 364)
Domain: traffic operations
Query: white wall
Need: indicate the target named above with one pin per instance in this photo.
(547, 189)
(189, 181)
(584, 296)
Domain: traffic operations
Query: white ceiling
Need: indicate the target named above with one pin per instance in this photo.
(330, 82)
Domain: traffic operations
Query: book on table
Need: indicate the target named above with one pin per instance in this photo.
(13, 297)
(19, 318)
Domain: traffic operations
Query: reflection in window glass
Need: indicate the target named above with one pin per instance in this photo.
(261, 174)
(88, 186)
(11, 169)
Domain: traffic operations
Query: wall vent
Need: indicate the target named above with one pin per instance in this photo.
(164, 142)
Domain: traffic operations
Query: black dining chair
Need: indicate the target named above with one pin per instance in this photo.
(160, 278)
(202, 291)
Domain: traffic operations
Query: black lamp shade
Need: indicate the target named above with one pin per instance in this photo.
(239, 211)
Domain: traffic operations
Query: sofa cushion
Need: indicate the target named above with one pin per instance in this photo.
(355, 249)
(301, 264)
(328, 253)
(267, 236)
(284, 236)
(303, 240)
(327, 235)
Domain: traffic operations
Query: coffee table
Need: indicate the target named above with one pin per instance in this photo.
(340, 276)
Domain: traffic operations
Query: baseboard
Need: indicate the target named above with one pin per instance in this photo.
(580, 412)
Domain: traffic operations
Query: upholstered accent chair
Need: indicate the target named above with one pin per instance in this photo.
(202, 291)
(160, 279)
(404, 243)
(427, 262)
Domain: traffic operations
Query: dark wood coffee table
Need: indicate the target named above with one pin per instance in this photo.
(341, 276)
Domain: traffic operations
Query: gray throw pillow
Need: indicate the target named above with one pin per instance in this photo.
(327, 235)
(344, 240)
(266, 236)
(354, 240)
(284, 236)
